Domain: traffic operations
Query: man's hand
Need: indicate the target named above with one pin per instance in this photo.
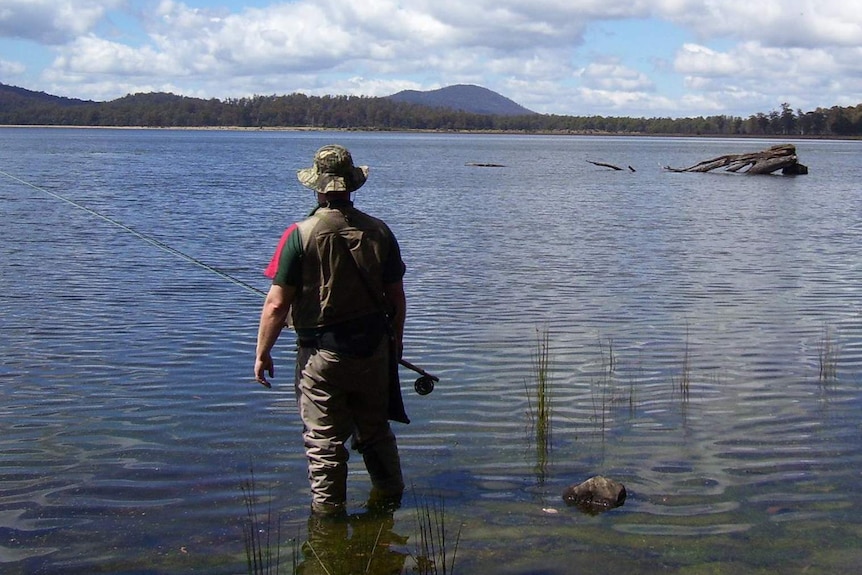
(272, 318)
(263, 365)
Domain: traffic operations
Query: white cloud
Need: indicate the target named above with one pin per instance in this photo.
(52, 21)
(9, 68)
(729, 54)
(694, 59)
(802, 23)
(611, 102)
(329, 37)
(374, 87)
(751, 70)
(90, 55)
(611, 75)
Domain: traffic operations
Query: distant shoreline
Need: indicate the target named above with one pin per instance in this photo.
(437, 131)
(187, 128)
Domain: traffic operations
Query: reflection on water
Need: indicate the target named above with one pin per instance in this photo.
(361, 543)
(703, 336)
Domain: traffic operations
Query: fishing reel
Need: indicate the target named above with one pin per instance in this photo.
(425, 383)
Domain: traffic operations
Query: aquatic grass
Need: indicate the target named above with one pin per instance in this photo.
(361, 543)
(603, 390)
(600, 392)
(373, 547)
(632, 397)
(828, 357)
(355, 544)
(611, 365)
(683, 383)
(262, 553)
(256, 535)
(435, 552)
(539, 402)
(609, 391)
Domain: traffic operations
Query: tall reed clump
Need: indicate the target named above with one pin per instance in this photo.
(828, 357)
(262, 551)
(539, 400)
(603, 391)
(435, 550)
(609, 363)
(683, 384)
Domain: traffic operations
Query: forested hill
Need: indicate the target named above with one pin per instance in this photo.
(19, 106)
(12, 97)
(465, 97)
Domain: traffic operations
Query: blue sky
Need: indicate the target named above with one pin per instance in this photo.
(651, 58)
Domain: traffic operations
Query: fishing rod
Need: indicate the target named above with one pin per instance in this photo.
(423, 385)
(150, 240)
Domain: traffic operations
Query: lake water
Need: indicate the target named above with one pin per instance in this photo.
(703, 334)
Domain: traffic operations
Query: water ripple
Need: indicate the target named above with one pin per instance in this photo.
(704, 345)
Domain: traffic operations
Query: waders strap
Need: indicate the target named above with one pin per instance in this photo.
(396, 401)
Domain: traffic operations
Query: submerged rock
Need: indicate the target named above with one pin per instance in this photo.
(595, 495)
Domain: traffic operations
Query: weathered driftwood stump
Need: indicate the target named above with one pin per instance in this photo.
(782, 157)
(595, 495)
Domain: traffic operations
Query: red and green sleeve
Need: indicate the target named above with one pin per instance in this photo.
(285, 267)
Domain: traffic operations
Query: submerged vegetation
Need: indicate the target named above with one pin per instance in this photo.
(366, 543)
(604, 392)
(828, 357)
(683, 382)
(261, 534)
(354, 544)
(435, 549)
(539, 402)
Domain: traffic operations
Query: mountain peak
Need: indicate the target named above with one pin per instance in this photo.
(464, 97)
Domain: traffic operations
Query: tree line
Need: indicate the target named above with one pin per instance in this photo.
(376, 113)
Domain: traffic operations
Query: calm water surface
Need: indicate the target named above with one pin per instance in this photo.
(703, 332)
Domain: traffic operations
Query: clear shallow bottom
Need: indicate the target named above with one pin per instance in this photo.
(689, 319)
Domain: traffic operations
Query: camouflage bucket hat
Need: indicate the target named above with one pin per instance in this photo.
(333, 171)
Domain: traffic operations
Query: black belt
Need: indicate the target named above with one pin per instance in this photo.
(356, 338)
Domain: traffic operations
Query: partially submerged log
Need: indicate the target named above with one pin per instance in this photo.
(782, 157)
(611, 166)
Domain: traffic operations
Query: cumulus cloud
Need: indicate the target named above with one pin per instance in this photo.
(633, 102)
(9, 68)
(93, 55)
(382, 37)
(751, 70)
(331, 34)
(694, 59)
(532, 52)
(52, 21)
(611, 75)
(802, 23)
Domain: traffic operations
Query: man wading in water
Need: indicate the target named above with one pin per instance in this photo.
(338, 274)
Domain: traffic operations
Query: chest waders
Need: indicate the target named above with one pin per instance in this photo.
(342, 271)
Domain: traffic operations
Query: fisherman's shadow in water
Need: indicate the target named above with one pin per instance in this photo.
(353, 543)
